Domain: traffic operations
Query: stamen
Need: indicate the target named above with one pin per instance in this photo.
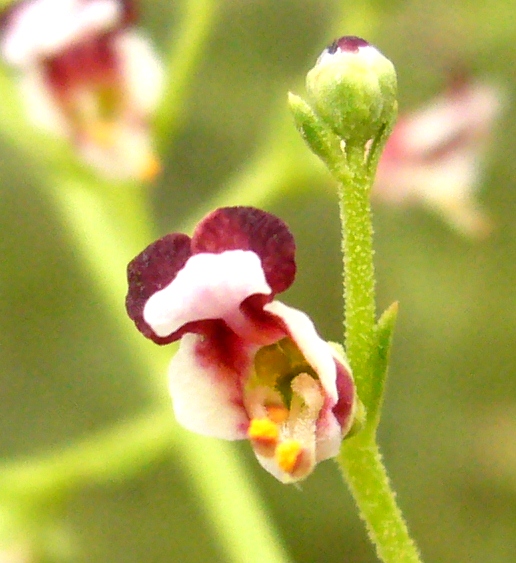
(277, 413)
(264, 431)
(288, 454)
(309, 390)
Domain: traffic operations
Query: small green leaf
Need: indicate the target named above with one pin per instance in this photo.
(379, 140)
(384, 334)
(317, 134)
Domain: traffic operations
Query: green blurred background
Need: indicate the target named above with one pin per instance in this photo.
(448, 431)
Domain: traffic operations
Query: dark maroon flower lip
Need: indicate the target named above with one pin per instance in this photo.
(151, 271)
(248, 228)
(228, 228)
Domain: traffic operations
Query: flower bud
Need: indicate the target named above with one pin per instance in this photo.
(353, 89)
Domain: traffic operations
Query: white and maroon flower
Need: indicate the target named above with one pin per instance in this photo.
(247, 366)
(435, 155)
(88, 76)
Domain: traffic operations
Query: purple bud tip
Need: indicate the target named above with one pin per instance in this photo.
(348, 43)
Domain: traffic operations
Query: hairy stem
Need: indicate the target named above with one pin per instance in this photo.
(362, 467)
(359, 459)
(359, 281)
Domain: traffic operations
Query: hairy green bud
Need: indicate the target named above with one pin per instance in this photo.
(352, 88)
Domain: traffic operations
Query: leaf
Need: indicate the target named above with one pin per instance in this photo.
(320, 138)
(384, 335)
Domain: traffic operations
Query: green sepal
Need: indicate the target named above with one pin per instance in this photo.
(318, 135)
(379, 140)
(383, 336)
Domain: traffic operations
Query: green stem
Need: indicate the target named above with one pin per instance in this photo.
(231, 502)
(359, 459)
(108, 226)
(228, 498)
(359, 281)
(362, 468)
(189, 43)
(108, 456)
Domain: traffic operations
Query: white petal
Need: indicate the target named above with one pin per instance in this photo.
(142, 71)
(206, 397)
(40, 105)
(43, 27)
(316, 351)
(329, 436)
(446, 185)
(469, 112)
(270, 465)
(210, 286)
(435, 155)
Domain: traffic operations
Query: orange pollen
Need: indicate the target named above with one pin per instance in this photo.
(150, 169)
(287, 455)
(263, 430)
(277, 413)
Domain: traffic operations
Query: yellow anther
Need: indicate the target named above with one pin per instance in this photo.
(288, 454)
(263, 430)
(277, 413)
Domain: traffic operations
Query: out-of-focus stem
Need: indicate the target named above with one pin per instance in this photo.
(102, 228)
(188, 44)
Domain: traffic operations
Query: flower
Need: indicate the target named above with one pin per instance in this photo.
(86, 75)
(435, 155)
(248, 367)
(352, 88)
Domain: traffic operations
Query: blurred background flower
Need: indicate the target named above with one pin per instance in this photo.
(435, 155)
(66, 372)
(87, 75)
